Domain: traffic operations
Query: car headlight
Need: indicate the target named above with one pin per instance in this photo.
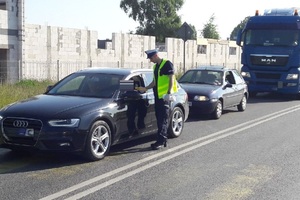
(64, 122)
(201, 98)
(1, 117)
(292, 77)
(246, 74)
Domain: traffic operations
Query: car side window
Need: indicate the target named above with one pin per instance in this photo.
(230, 78)
(148, 78)
(238, 77)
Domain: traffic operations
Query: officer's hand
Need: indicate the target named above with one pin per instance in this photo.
(141, 89)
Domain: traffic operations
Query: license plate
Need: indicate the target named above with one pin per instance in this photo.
(29, 132)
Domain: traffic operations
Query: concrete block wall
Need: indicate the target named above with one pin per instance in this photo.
(50, 44)
(9, 23)
(3, 26)
(11, 37)
(56, 47)
(46, 43)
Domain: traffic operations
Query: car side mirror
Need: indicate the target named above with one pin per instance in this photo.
(228, 85)
(48, 88)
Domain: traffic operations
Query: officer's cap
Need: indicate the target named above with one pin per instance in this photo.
(151, 53)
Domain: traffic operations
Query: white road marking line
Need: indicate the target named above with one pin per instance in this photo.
(241, 127)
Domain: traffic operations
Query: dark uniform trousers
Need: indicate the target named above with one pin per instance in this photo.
(162, 110)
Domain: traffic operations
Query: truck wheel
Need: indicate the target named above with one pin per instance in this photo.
(176, 123)
(98, 141)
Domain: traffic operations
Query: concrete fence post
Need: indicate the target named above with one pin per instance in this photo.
(57, 70)
(19, 70)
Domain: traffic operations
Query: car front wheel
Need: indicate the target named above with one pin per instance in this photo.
(176, 123)
(218, 110)
(243, 104)
(98, 141)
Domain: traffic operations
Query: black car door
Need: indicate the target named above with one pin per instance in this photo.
(139, 107)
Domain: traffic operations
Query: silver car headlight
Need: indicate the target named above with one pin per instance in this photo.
(292, 77)
(201, 98)
(64, 122)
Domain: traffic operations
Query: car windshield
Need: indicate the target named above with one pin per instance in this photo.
(202, 77)
(87, 85)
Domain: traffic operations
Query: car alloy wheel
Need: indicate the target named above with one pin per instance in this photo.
(218, 110)
(243, 104)
(176, 123)
(98, 141)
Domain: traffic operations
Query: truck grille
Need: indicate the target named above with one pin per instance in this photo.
(267, 76)
(263, 60)
(21, 131)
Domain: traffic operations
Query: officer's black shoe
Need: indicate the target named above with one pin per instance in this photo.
(158, 145)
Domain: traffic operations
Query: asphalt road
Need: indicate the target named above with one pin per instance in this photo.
(243, 155)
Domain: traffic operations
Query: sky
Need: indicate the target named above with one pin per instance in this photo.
(106, 16)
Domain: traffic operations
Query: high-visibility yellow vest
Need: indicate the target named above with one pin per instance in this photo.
(163, 82)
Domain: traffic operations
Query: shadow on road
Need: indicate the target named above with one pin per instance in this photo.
(18, 162)
(272, 97)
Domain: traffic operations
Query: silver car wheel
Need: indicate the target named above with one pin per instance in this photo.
(100, 140)
(176, 122)
(243, 104)
(218, 110)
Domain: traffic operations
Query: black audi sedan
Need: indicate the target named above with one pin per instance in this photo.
(211, 89)
(87, 112)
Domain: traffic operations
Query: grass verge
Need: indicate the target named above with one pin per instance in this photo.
(10, 93)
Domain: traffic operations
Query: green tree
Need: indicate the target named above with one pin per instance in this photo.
(156, 17)
(194, 36)
(240, 26)
(210, 29)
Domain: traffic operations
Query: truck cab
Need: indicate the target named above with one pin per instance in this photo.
(271, 51)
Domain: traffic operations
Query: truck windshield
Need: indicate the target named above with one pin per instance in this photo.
(272, 37)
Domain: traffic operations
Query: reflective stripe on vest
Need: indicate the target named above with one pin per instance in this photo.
(163, 82)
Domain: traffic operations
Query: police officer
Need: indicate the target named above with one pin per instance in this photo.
(164, 85)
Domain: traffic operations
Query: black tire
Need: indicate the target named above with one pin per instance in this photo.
(98, 141)
(176, 123)
(243, 104)
(217, 113)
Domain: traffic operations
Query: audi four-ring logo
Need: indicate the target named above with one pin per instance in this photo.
(20, 123)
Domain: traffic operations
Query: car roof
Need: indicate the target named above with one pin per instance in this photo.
(212, 67)
(108, 70)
